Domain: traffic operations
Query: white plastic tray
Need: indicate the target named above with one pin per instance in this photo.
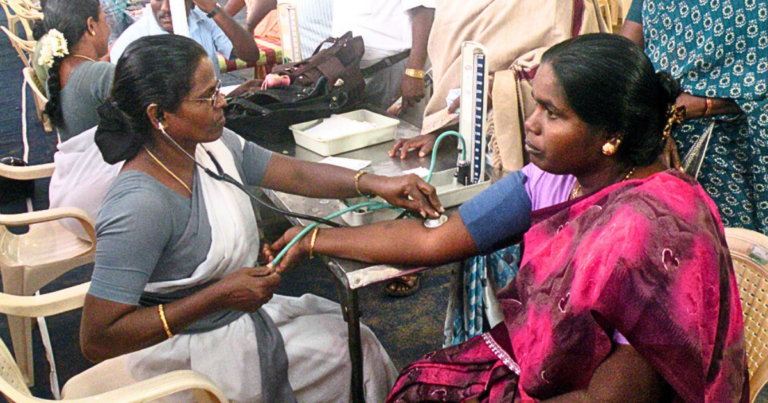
(345, 141)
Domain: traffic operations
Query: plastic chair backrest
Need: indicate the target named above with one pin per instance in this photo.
(24, 48)
(34, 83)
(749, 251)
(25, 14)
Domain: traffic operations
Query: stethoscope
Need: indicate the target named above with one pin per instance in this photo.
(225, 177)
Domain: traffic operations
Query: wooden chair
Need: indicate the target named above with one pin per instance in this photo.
(38, 94)
(749, 251)
(12, 382)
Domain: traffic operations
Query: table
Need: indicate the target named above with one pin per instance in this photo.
(352, 275)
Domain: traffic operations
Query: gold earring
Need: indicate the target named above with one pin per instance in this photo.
(93, 33)
(609, 149)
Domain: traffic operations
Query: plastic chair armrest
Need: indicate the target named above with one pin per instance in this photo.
(160, 386)
(27, 172)
(47, 304)
(54, 214)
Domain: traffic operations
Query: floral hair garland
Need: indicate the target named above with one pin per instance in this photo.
(52, 45)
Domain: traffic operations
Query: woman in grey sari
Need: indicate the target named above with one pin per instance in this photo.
(175, 284)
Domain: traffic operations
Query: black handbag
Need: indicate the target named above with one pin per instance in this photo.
(264, 117)
(329, 82)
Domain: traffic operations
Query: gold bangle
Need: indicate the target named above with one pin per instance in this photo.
(707, 106)
(415, 73)
(357, 182)
(312, 243)
(161, 312)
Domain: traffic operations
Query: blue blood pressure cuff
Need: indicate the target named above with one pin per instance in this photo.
(500, 215)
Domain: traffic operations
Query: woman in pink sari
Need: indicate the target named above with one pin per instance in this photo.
(625, 292)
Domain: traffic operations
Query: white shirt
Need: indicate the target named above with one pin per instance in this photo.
(202, 30)
(385, 25)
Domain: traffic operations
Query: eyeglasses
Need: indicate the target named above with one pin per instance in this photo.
(213, 98)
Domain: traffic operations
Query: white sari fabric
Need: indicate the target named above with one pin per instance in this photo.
(81, 178)
(313, 331)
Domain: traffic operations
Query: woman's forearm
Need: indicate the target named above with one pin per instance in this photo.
(134, 328)
(309, 179)
(699, 107)
(110, 329)
(402, 242)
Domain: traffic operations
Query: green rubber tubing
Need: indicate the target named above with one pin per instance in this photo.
(372, 205)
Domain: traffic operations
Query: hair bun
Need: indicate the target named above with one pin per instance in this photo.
(115, 136)
(670, 88)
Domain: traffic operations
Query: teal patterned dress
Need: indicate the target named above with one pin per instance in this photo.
(719, 49)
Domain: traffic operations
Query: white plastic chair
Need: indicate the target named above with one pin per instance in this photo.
(749, 251)
(30, 261)
(12, 382)
(23, 47)
(30, 78)
(16, 12)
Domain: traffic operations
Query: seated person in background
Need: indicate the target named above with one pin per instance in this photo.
(209, 26)
(75, 38)
(175, 283)
(315, 17)
(388, 29)
(626, 291)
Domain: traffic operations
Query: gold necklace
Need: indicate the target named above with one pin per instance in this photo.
(577, 189)
(168, 170)
(84, 57)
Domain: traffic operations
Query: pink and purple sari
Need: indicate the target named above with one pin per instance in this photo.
(644, 258)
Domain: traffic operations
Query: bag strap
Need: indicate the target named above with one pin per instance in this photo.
(384, 63)
(333, 41)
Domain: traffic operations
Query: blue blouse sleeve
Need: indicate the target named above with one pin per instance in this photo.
(500, 215)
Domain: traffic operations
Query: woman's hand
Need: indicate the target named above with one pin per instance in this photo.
(424, 143)
(293, 256)
(247, 289)
(408, 191)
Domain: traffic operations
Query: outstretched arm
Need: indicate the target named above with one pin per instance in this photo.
(243, 45)
(402, 242)
(311, 179)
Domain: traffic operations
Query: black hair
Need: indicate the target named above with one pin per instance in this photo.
(141, 79)
(70, 17)
(612, 86)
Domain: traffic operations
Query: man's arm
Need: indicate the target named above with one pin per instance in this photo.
(413, 89)
(260, 10)
(243, 45)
